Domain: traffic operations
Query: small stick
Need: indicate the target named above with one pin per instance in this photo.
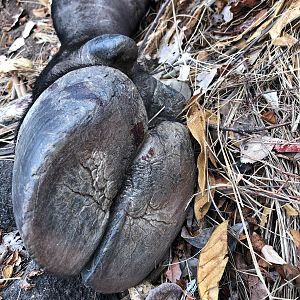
(249, 131)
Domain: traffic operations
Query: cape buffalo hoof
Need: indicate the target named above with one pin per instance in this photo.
(92, 190)
(148, 213)
(73, 149)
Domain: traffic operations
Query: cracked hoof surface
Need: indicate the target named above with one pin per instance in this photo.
(74, 147)
(95, 191)
(148, 213)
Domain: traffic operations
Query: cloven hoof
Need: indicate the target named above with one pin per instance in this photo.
(95, 191)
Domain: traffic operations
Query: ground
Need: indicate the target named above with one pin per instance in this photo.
(237, 61)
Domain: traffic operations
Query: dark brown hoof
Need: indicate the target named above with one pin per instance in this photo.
(148, 213)
(93, 190)
(73, 149)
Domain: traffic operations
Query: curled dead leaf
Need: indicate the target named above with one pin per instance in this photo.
(198, 240)
(212, 262)
(197, 118)
(196, 122)
(257, 148)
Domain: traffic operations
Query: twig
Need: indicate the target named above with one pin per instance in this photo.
(248, 131)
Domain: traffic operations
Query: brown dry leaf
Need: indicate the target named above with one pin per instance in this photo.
(257, 242)
(289, 15)
(269, 117)
(211, 117)
(202, 55)
(202, 203)
(7, 271)
(219, 5)
(286, 40)
(271, 255)
(296, 237)
(174, 272)
(290, 210)
(196, 122)
(212, 262)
